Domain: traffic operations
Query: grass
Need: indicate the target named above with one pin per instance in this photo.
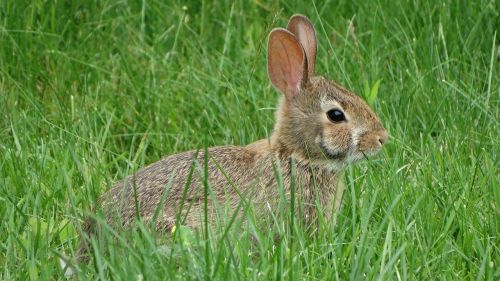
(92, 91)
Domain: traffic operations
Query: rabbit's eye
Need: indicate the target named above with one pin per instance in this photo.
(335, 115)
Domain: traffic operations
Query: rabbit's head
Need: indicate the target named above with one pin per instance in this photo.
(318, 121)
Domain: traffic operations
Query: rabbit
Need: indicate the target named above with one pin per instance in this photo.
(320, 128)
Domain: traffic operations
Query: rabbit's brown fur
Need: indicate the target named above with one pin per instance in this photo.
(304, 137)
(258, 183)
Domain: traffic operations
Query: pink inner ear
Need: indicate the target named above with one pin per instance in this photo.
(286, 62)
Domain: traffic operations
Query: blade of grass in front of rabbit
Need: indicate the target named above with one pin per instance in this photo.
(280, 212)
(292, 214)
(163, 198)
(178, 220)
(187, 185)
(205, 212)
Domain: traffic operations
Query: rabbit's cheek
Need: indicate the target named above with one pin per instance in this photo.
(357, 134)
(336, 141)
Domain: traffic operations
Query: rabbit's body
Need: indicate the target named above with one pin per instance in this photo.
(178, 180)
(320, 128)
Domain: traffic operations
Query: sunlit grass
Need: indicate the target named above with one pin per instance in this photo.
(91, 92)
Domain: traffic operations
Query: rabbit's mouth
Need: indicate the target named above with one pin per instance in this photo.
(363, 155)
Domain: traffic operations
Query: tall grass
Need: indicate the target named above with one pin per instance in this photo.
(92, 91)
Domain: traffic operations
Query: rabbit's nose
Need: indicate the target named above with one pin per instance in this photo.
(382, 137)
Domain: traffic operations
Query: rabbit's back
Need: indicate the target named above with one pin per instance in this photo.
(176, 184)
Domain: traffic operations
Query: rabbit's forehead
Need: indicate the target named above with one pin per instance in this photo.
(327, 104)
(335, 96)
(331, 92)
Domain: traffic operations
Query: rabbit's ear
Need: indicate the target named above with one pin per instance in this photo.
(303, 30)
(286, 62)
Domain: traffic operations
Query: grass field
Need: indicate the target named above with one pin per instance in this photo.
(92, 91)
